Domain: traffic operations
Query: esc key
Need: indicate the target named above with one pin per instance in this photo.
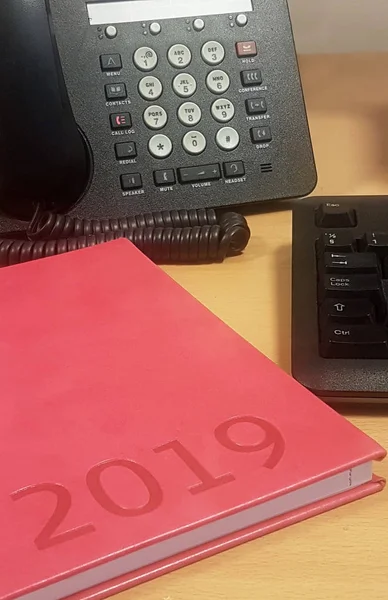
(332, 215)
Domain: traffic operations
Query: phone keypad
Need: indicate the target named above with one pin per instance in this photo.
(179, 56)
(184, 85)
(213, 53)
(189, 113)
(223, 110)
(155, 117)
(218, 82)
(150, 88)
(160, 146)
(145, 59)
(194, 142)
(227, 138)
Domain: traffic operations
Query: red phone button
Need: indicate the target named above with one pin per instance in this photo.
(246, 49)
(120, 120)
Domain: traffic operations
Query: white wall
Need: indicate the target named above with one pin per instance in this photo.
(340, 25)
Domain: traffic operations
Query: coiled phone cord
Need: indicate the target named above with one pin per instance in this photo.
(184, 236)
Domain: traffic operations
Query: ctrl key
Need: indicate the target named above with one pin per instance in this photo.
(354, 341)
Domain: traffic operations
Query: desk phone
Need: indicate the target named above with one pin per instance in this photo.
(137, 106)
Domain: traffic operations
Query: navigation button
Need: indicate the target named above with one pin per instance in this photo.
(111, 32)
(241, 20)
(131, 181)
(199, 173)
(166, 177)
(199, 24)
(155, 28)
(111, 62)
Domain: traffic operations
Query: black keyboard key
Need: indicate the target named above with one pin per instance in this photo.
(330, 215)
(336, 241)
(345, 287)
(375, 242)
(347, 312)
(354, 341)
(351, 263)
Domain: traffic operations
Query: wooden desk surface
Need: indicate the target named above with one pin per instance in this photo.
(343, 554)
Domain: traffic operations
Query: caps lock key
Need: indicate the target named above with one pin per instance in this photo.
(353, 286)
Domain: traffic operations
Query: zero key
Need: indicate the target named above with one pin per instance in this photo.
(332, 215)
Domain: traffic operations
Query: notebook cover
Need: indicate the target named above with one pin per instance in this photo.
(130, 413)
(126, 582)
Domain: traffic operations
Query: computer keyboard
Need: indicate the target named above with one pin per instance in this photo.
(340, 297)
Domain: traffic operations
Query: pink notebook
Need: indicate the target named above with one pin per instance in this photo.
(139, 433)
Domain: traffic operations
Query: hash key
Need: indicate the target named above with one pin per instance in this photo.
(336, 241)
(354, 341)
(349, 263)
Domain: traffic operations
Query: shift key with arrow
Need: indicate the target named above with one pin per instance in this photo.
(349, 312)
(351, 287)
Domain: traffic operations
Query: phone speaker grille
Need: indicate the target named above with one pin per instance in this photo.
(266, 168)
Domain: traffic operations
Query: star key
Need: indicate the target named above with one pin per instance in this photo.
(160, 146)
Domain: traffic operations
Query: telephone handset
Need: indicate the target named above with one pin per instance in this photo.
(115, 114)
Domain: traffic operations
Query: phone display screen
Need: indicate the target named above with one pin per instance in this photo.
(130, 11)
